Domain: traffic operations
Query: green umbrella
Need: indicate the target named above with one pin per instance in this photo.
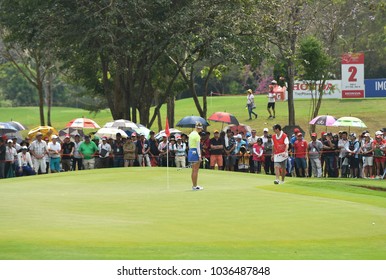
(350, 122)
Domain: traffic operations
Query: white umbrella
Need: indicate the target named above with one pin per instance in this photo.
(122, 124)
(110, 132)
(172, 131)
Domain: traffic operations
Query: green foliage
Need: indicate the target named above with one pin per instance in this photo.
(313, 60)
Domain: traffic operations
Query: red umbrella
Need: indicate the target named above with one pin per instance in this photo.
(236, 129)
(224, 117)
(82, 123)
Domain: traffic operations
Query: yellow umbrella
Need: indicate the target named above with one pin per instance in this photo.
(47, 131)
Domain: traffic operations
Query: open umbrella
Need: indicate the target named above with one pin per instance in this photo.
(6, 128)
(238, 128)
(110, 132)
(224, 117)
(324, 120)
(190, 121)
(122, 124)
(173, 131)
(18, 125)
(349, 121)
(47, 131)
(70, 131)
(82, 123)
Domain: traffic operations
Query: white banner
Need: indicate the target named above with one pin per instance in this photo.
(332, 89)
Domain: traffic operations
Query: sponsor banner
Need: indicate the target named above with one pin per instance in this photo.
(375, 88)
(353, 85)
(332, 89)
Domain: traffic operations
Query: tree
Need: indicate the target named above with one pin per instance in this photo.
(315, 67)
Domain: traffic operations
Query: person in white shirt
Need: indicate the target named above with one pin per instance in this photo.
(10, 159)
(54, 149)
(251, 104)
(38, 150)
(25, 162)
(180, 148)
(104, 153)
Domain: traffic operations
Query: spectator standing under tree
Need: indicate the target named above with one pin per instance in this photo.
(379, 147)
(87, 150)
(38, 150)
(328, 155)
(129, 152)
(216, 151)
(194, 155)
(258, 155)
(104, 149)
(280, 153)
(2, 158)
(230, 146)
(366, 150)
(251, 140)
(268, 163)
(251, 104)
(343, 160)
(54, 149)
(153, 143)
(67, 152)
(143, 149)
(205, 149)
(10, 159)
(352, 148)
(117, 149)
(180, 152)
(77, 161)
(314, 152)
(300, 153)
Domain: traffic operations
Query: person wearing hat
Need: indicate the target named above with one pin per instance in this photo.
(180, 152)
(2, 158)
(143, 149)
(251, 104)
(194, 154)
(216, 151)
(239, 142)
(274, 91)
(67, 152)
(280, 153)
(129, 151)
(77, 161)
(104, 149)
(314, 149)
(343, 160)
(54, 149)
(10, 159)
(352, 149)
(366, 150)
(379, 147)
(153, 152)
(25, 163)
(163, 151)
(87, 150)
(38, 150)
(300, 153)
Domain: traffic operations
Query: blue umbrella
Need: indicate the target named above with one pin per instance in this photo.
(190, 121)
(6, 128)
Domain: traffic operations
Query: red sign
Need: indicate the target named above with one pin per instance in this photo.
(353, 94)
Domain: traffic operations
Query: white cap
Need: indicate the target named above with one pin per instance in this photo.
(238, 136)
(9, 141)
(273, 82)
(265, 130)
(54, 137)
(378, 132)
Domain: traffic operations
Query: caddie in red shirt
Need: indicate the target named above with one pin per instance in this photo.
(279, 153)
(300, 152)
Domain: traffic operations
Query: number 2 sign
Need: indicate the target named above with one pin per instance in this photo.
(353, 85)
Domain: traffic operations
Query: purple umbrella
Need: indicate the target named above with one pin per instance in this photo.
(325, 120)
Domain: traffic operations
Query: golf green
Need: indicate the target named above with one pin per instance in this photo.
(152, 213)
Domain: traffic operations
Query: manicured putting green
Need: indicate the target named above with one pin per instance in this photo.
(138, 213)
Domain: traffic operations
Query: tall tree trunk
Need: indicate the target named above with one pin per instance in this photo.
(48, 90)
(39, 86)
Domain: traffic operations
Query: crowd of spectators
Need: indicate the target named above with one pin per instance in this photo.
(331, 155)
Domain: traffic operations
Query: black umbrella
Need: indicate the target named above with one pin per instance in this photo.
(190, 121)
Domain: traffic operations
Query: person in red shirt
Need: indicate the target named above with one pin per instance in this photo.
(300, 154)
(280, 153)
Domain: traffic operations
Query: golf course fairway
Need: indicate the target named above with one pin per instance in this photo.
(152, 214)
